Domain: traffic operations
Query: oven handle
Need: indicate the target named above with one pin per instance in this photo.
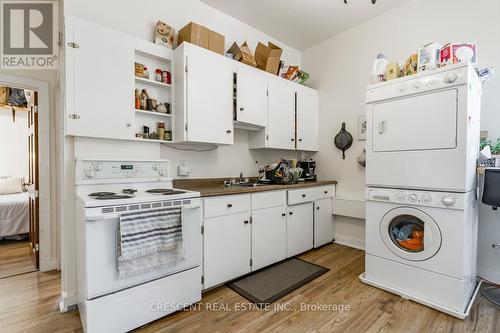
(112, 216)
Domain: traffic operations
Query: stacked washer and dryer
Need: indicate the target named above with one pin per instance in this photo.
(421, 210)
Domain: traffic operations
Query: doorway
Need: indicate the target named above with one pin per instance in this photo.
(19, 181)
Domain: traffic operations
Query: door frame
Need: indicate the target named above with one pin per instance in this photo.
(47, 253)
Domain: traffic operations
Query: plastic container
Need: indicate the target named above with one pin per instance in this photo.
(379, 68)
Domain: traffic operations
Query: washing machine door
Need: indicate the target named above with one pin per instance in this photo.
(410, 233)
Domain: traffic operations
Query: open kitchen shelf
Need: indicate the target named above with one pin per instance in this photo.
(154, 114)
(152, 82)
(153, 56)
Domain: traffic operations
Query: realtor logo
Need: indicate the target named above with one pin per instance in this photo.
(29, 34)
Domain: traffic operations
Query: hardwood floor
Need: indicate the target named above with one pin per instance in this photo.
(15, 258)
(28, 303)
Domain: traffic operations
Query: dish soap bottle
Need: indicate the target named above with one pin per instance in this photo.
(379, 68)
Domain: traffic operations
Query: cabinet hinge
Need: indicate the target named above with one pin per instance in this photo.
(267, 136)
(36, 194)
(35, 109)
(202, 279)
(73, 45)
(267, 92)
(251, 219)
(251, 262)
(186, 127)
(36, 248)
(59, 39)
(186, 68)
(202, 230)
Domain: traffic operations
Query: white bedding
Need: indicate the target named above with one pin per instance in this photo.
(14, 211)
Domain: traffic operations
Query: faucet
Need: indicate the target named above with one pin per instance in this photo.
(241, 178)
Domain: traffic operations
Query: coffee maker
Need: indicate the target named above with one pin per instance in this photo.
(309, 166)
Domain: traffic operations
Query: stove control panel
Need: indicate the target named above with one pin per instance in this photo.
(418, 198)
(115, 170)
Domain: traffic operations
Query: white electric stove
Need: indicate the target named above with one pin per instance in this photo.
(104, 190)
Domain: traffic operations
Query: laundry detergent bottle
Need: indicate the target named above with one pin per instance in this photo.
(378, 70)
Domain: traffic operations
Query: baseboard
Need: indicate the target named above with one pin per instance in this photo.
(67, 303)
(50, 265)
(351, 242)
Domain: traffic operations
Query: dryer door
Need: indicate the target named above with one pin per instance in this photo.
(410, 233)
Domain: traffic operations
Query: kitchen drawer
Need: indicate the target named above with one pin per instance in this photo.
(268, 199)
(225, 205)
(310, 194)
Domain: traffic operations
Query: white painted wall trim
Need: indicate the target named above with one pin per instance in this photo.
(48, 257)
(350, 241)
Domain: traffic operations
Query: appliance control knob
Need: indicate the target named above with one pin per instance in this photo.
(155, 166)
(448, 201)
(401, 89)
(400, 196)
(426, 198)
(416, 85)
(162, 172)
(451, 77)
(413, 197)
(90, 173)
(431, 83)
(98, 166)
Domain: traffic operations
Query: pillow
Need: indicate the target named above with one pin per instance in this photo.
(11, 185)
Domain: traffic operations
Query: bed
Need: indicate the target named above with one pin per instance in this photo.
(14, 216)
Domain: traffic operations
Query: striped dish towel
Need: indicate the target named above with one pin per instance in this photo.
(149, 240)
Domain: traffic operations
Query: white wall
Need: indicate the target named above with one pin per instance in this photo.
(340, 69)
(13, 144)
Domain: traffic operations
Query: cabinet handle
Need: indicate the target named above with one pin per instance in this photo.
(129, 124)
(283, 214)
(300, 140)
(317, 207)
(73, 116)
(228, 131)
(229, 205)
(292, 140)
(326, 192)
(290, 213)
(246, 221)
(242, 109)
(303, 195)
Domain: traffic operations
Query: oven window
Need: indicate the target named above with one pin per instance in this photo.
(407, 233)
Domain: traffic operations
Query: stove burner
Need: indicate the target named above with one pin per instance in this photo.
(113, 196)
(129, 191)
(100, 194)
(173, 192)
(160, 190)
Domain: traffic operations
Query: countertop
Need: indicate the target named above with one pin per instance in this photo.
(215, 186)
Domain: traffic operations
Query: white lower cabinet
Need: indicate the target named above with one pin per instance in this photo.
(299, 229)
(226, 248)
(268, 236)
(323, 222)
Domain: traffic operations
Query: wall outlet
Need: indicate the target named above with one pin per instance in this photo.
(183, 168)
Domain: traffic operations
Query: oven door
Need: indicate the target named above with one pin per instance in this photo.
(410, 234)
(101, 272)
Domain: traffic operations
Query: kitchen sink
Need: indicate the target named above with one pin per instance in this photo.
(245, 185)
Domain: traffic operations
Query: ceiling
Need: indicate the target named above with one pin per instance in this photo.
(302, 23)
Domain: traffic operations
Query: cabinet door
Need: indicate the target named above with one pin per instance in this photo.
(281, 129)
(268, 236)
(307, 119)
(323, 222)
(251, 96)
(99, 81)
(209, 96)
(299, 230)
(226, 248)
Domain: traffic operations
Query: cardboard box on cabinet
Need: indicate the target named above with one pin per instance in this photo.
(216, 42)
(268, 57)
(242, 54)
(195, 34)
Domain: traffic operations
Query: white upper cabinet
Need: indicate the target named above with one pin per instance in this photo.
(251, 96)
(307, 119)
(99, 81)
(203, 85)
(281, 125)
